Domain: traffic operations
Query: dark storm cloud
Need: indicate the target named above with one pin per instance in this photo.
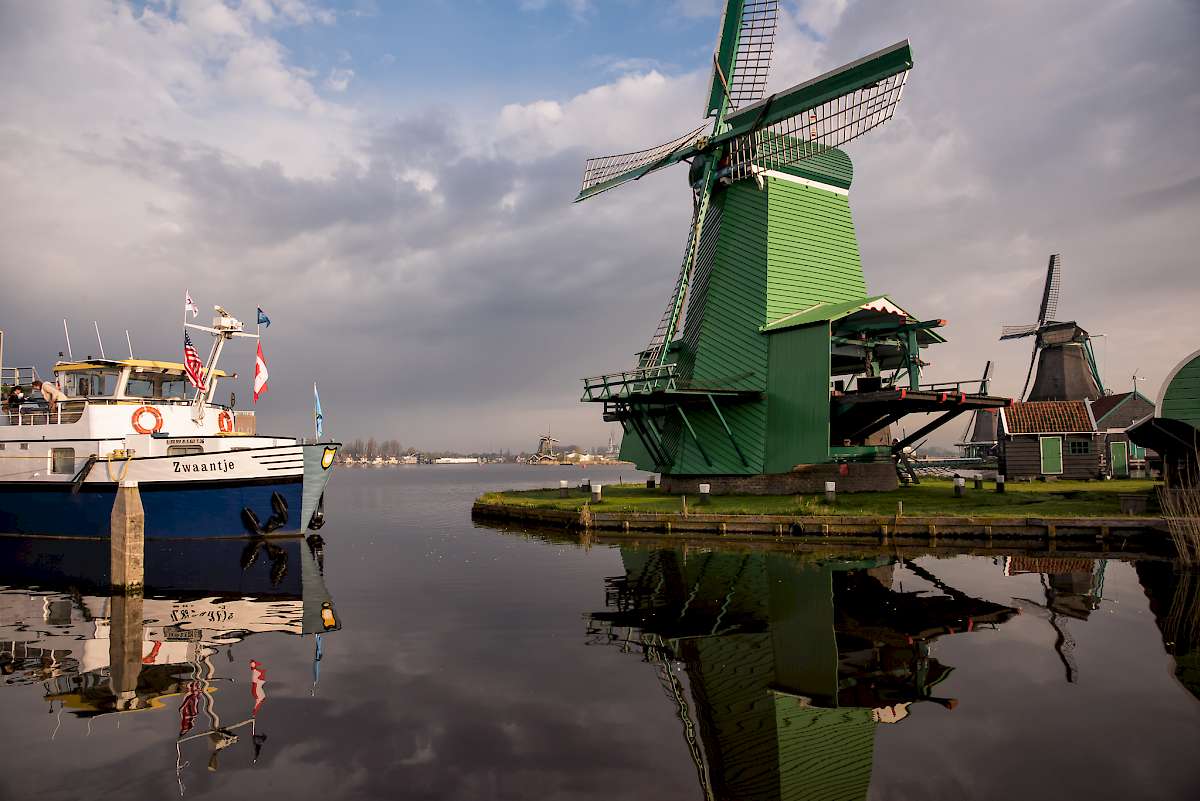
(430, 270)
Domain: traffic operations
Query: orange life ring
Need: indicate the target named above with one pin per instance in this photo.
(225, 422)
(137, 420)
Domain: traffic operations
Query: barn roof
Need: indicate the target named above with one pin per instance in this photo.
(1105, 406)
(1048, 417)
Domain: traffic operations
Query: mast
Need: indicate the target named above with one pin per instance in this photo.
(224, 328)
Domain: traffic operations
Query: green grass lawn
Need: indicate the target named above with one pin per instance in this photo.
(933, 497)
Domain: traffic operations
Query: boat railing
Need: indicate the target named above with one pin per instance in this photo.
(36, 414)
(18, 376)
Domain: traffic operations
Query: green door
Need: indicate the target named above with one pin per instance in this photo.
(1052, 464)
(1118, 453)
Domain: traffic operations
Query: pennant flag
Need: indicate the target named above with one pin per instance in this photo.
(192, 364)
(318, 417)
(258, 678)
(188, 306)
(260, 374)
(263, 319)
(189, 708)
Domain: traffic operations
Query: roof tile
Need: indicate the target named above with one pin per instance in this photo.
(1048, 417)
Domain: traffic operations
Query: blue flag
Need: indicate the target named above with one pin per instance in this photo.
(318, 417)
(263, 319)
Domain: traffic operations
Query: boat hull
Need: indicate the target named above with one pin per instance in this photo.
(212, 506)
(176, 510)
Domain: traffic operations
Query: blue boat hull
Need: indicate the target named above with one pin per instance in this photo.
(183, 510)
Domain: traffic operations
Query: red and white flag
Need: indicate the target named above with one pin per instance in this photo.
(192, 364)
(258, 681)
(260, 374)
(188, 306)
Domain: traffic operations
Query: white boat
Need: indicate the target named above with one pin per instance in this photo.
(201, 467)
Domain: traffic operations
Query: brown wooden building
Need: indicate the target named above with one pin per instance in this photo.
(1050, 439)
(1114, 415)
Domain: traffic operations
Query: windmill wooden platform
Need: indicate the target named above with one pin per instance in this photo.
(772, 368)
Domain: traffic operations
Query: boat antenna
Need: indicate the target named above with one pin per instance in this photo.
(70, 354)
(129, 343)
(98, 339)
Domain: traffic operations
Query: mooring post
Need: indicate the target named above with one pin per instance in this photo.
(586, 486)
(830, 492)
(978, 482)
(650, 483)
(960, 486)
(999, 483)
(595, 491)
(127, 527)
(704, 493)
(125, 647)
(563, 489)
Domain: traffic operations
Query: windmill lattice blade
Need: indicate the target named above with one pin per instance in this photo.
(756, 43)
(1018, 331)
(814, 130)
(1049, 306)
(605, 172)
(654, 353)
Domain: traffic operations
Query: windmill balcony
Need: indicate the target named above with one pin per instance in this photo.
(630, 382)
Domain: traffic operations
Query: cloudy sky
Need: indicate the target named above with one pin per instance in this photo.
(392, 183)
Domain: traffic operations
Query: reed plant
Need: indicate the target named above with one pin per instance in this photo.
(1181, 508)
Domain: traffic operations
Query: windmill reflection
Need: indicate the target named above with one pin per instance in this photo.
(96, 654)
(1072, 590)
(781, 670)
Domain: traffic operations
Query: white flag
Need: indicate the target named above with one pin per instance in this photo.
(188, 306)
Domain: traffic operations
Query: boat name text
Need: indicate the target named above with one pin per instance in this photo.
(222, 466)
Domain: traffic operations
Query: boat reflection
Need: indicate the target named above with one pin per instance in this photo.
(782, 670)
(96, 654)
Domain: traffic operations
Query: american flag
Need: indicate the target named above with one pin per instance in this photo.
(192, 364)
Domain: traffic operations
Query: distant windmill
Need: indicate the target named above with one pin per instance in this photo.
(545, 449)
(980, 436)
(1062, 351)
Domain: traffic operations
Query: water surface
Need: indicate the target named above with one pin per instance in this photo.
(464, 662)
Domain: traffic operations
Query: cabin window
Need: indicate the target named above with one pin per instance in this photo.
(62, 460)
(140, 387)
(184, 450)
(92, 383)
(1079, 447)
(24, 446)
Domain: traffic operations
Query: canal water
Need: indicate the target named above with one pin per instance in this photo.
(416, 655)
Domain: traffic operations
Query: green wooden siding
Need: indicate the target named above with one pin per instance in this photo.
(1052, 455)
(730, 352)
(798, 398)
(812, 253)
(1181, 401)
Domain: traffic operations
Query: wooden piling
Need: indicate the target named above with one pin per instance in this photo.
(125, 647)
(127, 529)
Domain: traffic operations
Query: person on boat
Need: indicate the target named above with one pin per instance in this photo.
(14, 400)
(51, 393)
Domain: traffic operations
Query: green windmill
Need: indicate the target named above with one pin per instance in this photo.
(770, 358)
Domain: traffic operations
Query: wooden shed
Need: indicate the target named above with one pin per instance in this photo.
(1114, 415)
(1049, 439)
(1174, 428)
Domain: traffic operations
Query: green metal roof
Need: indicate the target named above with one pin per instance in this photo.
(878, 305)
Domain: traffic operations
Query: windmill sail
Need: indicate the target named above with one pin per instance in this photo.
(741, 63)
(816, 115)
(605, 172)
(1049, 307)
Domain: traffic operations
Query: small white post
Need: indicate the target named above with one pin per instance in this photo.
(705, 490)
(999, 483)
(563, 489)
(960, 486)
(830, 492)
(596, 493)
